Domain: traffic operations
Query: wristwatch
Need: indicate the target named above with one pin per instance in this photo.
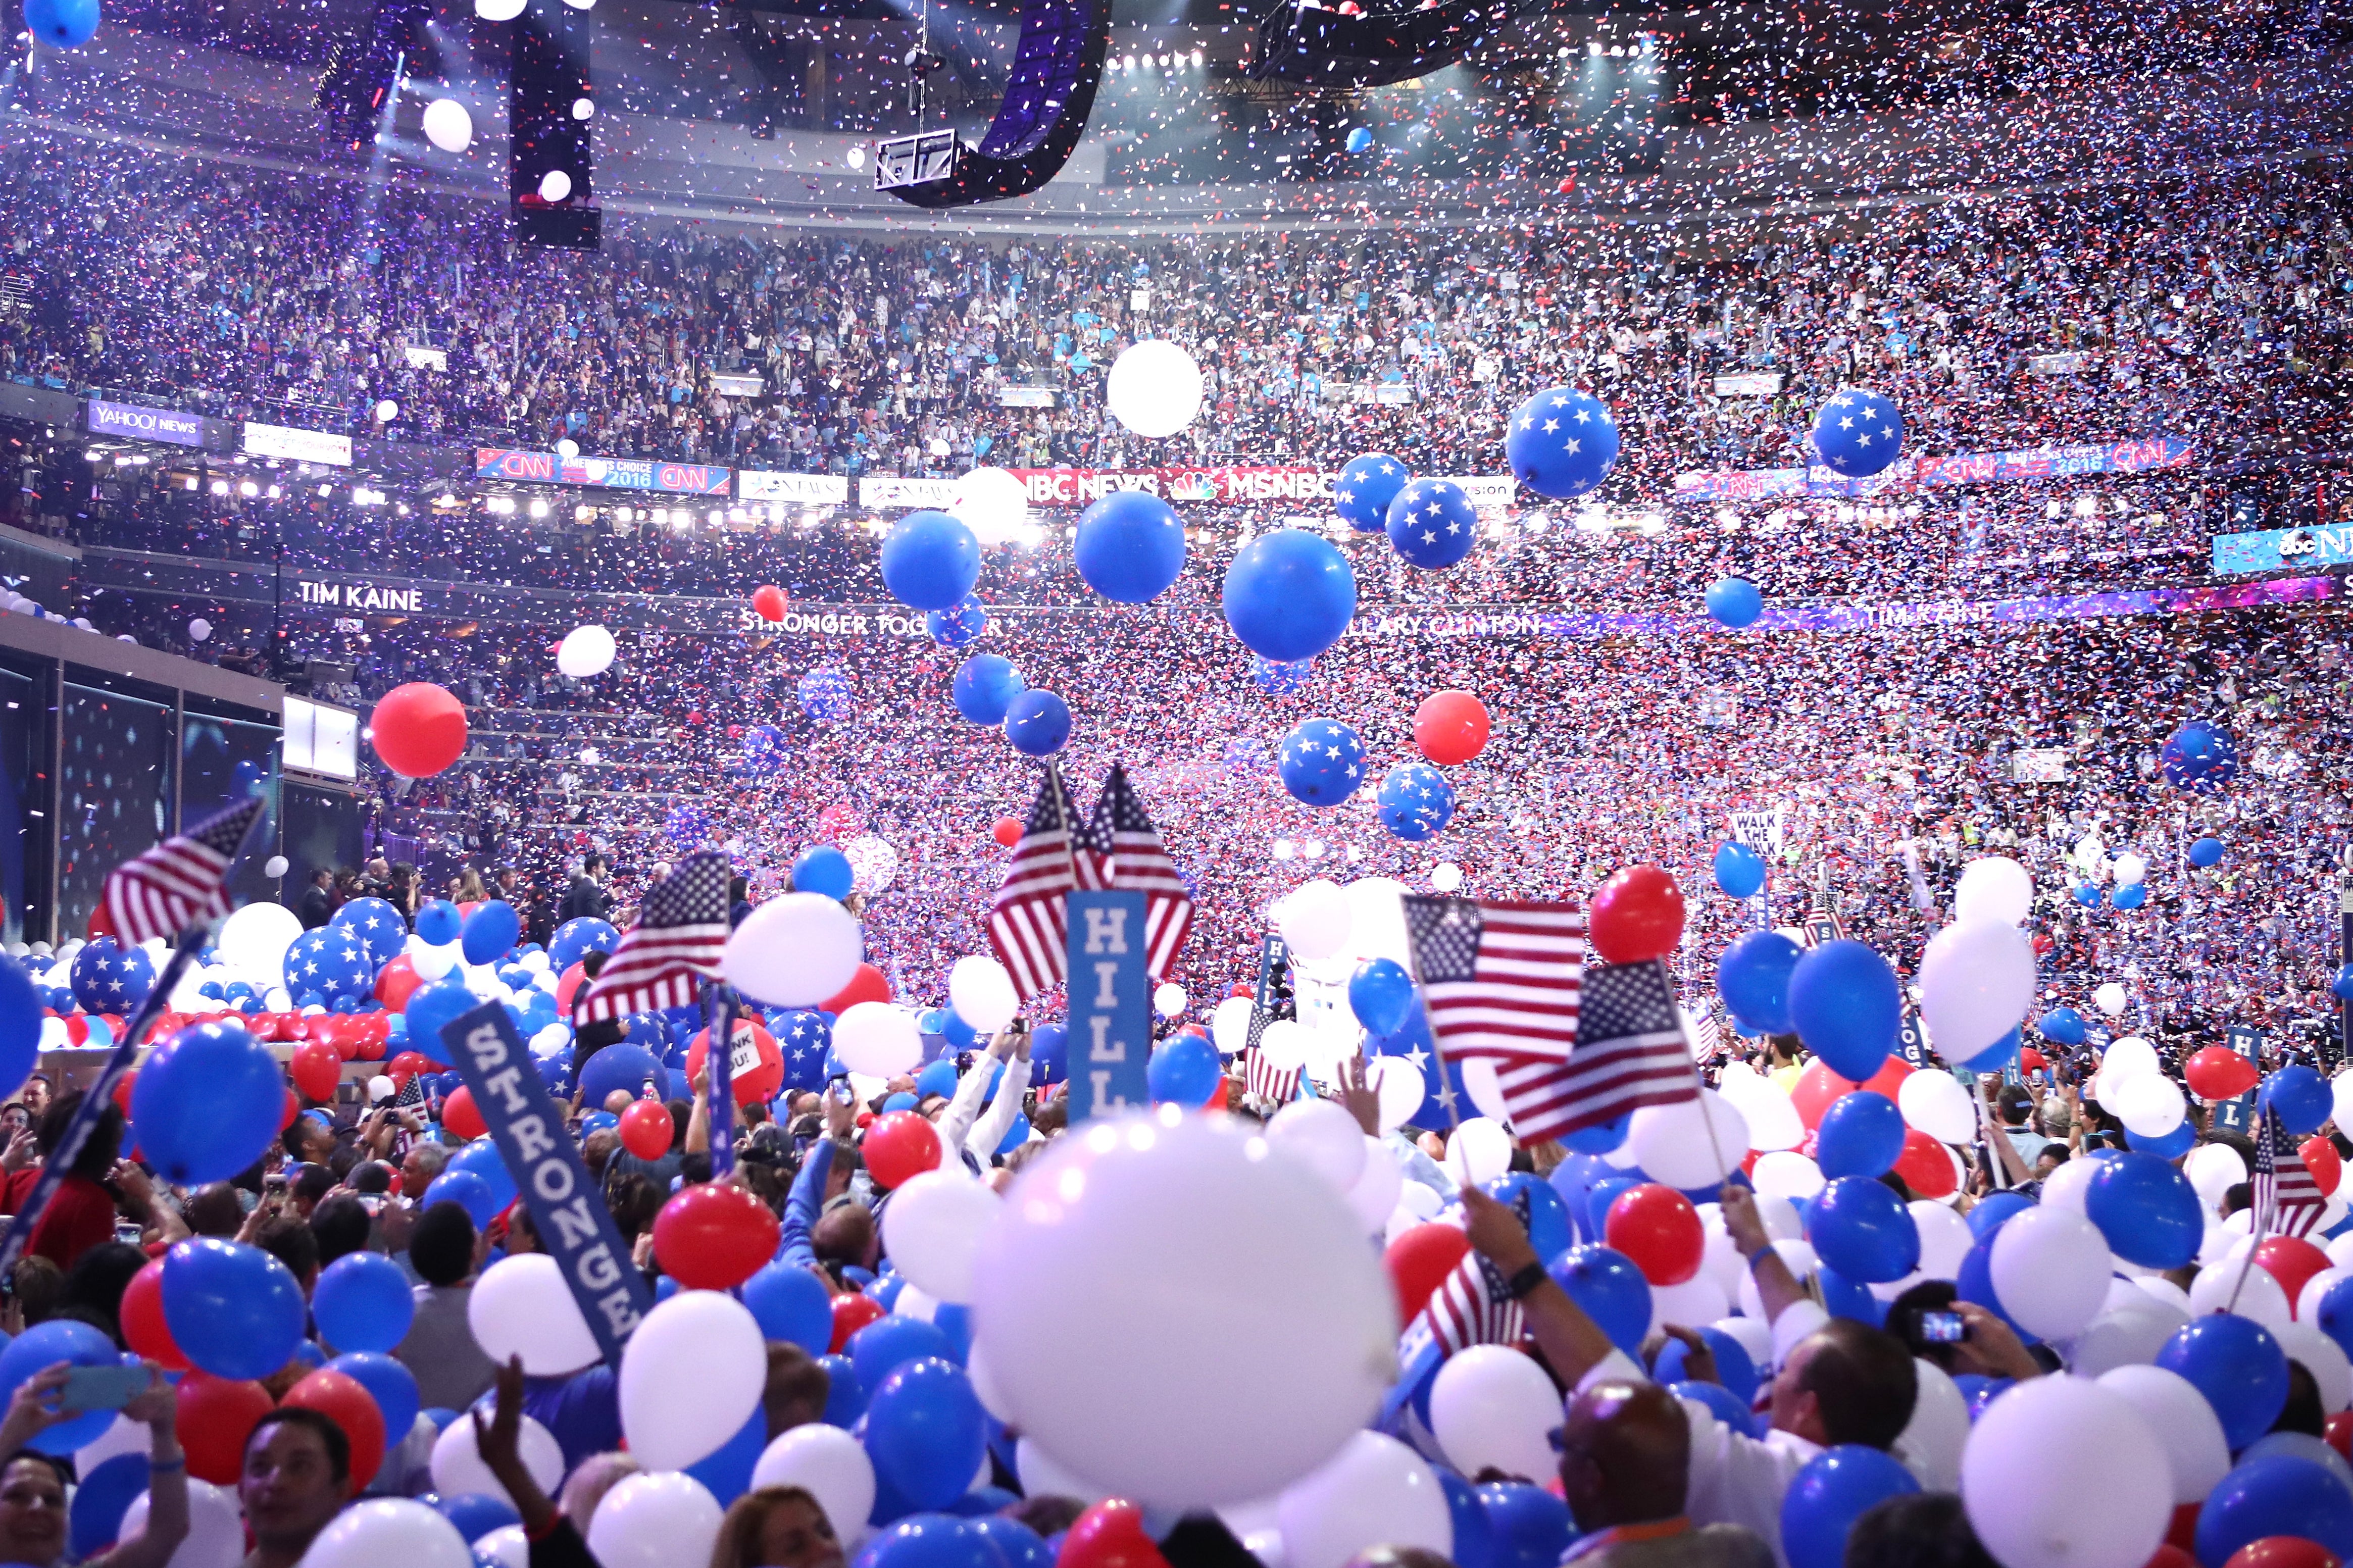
(1525, 1280)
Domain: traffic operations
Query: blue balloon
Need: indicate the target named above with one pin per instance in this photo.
(1289, 594)
(959, 625)
(985, 684)
(2131, 896)
(1753, 978)
(207, 1103)
(1016, 1544)
(2206, 852)
(2086, 894)
(1858, 433)
(2335, 1317)
(883, 1346)
(926, 1431)
(924, 1540)
(482, 1158)
(234, 1310)
(491, 932)
(623, 1067)
(1603, 1192)
(43, 1345)
(2147, 1209)
(687, 826)
(1543, 1214)
(465, 1189)
(1037, 723)
(1830, 1493)
(1612, 1291)
(432, 1007)
(106, 978)
(1860, 1227)
(930, 560)
(1847, 1006)
(1734, 1368)
(1474, 1543)
(1735, 602)
(438, 923)
(792, 1305)
(1280, 679)
(938, 1077)
(1367, 485)
(1414, 803)
(822, 868)
(825, 696)
(1183, 1070)
(1561, 442)
(1845, 1298)
(2170, 1146)
(2300, 1095)
(1739, 871)
(1049, 1052)
(362, 1302)
(1360, 138)
(476, 1515)
(845, 1393)
(104, 1496)
(764, 751)
(1381, 994)
(62, 24)
(1862, 1134)
(1728, 1406)
(2277, 1494)
(1130, 546)
(1527, 1527)
(2061, 1026)
(1322, 761)
(1432, 523)
(390, 1383)
(2238, 1366)
(381, 930)
(726, 1472)
(2198, 758)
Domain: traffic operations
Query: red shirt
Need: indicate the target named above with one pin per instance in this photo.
(80, 1215)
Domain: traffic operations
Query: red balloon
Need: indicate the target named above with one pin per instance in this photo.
(851, 1313)
(1450, 727)
(2168, 1555)
(344, 1033)
(374, 1029)
(866, 985)
(216, 1416)
(2326, 1165)
(1638, 914)
(1817, 1087)
(2217, 1072)
(2282, 1552)
(1658, 1228)
(408, 1065)
(2291, 1260)
(341, 1399)
(647, 1128)
(1924, 1166)
(419, 729)
(317, 1069)
(395, 981)
(755, 1082)
(141, 1316)
(1007, 831)
(1888, 1078)
(715, 1236)
(2339, 1430)
(122, 1091)
(460, 1115)
(293, 1108)
(768, 601)
(567, 986)
(1110, 1534)
(899, 1147)
(1418, 1261)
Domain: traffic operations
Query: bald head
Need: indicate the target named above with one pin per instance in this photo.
(1625, 1454)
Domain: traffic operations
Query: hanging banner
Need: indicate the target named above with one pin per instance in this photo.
(1111, 1005)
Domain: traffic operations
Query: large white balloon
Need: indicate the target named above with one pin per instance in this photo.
(1168, 999)
(1944, 1238)
(655, 1520)
(2109, 998)
(796, 949)
(2150, 1105)
(2331, 1368)
(2126, 1059)
(1229, 1026)
(981, 994)
(1977, 980)
(1993, 887)
(1375, 1492)
(830, 1465)
(448, 125)
(383, 1532)
(1772, 1117)
(1402, 1087)
(1493, 1407)
(1936, 1104)
(505, 1547)
(1153, 388)
(2124, 1336)
(877, 1039)
(1939, 1428)
(690, 1377)
(215, 1537)
(2050, 1268)
(994, 504)
(1478, 1151)
(1315, 918)
(2219, 1287)
(585, 651)
(1375, 1193)
(1121, 1271)
(521, 1306)
(1692, 1143)
(458, 1467)
(2183, 1423)
(2060, 1472)
(1041, 1476)
(1322, 1134)
(1376, 919)
(2130, 868)
(1286, 1043)
(254, 939)
(933, 1228)
(1786, 1173)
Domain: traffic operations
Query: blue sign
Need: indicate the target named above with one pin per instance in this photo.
(2271, 549)
(567, 1207)
(1111, 1005)
(1910, 1043)
(145, 424)
(2238, 1115)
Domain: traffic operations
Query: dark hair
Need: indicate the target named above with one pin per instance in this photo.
(331, 1436)
(97, 1156)
(313, 1183)
(1864, 1382)
(290, 1241)
(340, 1226)
(2014, 1103)
(1920, 1530)
(441, 1247)
(370, 1176)
(98, 1280)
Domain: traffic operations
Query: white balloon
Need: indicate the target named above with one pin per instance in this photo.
(199, 629)
(1692, 1143)
(2197, 1456)
(690, 1377)
(2259, 1298)
(584, 650)
(1402, 1087)
(458, 1467)
(1324, 1136)
(994, 504)
(2150, 1105)
(431, 961)
(2041, 1452)
(378, 1533)
(1286, 1043)
(796, 949)
(2214, 1168)
(1040, 1475)
(1154, 389)
(656, 1520)
(1698, 1300)
(981, 994)
(507, 1547)
(1993, 887)
(2050, 1267)
(828, 1463)
(554, 185)
(215, 1537)
(2332, 1371)
(1229, 1026)
(499, 10)
(1375, 1195)
(2064, 1189)
(2307, 1300)
(1486, 1089)
(1490, 1405)
(124, 1437)
(2130, 868)
(1936, 1104)
(521, 1306)
(1313, 918)
(2123, 1337)
(2109, 998)
(1772, 1117)
(1798, 1321)
(1944, 1238)
(1445, 877)
(2126, 1059)
(1786, 1173)
(275, 866)
(1939, 1428)
(1479, 1151)
(1375, 1492)
(448, 125)
(253, 941)
(933, 1228)
(1124, 1266)
(1977, 980)
(877, 1039)
(1753, 1336)
(1168, 999)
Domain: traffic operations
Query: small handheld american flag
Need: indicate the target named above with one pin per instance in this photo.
(661, 961)
(1471, 1306)
(1501, 981)
(1028, 921)
(1139, 861)
(2288, 1202)
(1273, 1000)
(181, 881)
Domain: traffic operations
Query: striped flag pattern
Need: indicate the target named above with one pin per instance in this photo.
(2287, 1200)
(1503, 982)
(662, 960)
(1474, 1308)
(1630, 1050)
(181, 882)
(1028, 921)
(1274, 999)
(1139, 861)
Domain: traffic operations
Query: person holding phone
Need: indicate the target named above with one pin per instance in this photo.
(964, 1128)
(33, 1519)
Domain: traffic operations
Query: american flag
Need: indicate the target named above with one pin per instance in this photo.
(661, 961)
(1274, 999)
(2287, 1200)
(181, 881)
(1029, 922)
(1503, 982)
(1137, 861)
(1472, 1307)
(1707, 1036)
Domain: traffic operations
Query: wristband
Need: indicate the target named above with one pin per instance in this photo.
(1525, 1280)
(178, 1463)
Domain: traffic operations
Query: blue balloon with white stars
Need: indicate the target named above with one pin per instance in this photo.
(1365, 486)
(1416, 802)
(327, 965)
(1858, 433)
(1281, 678)
(108, 978)
(985, 685)
(764, 748)
(803, 1038)
(1561, 442)
(1432, 524)
(825, 696)
(959, 624)
(1323, 761)
(576, 938)
(381, 930)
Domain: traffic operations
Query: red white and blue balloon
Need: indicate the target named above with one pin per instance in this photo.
(1561, 442)
(1858, 433)
(825, 696)
(1416, 802)
(1432, 524)
(326, 966)
(1322, 761)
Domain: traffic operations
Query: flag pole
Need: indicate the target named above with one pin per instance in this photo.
(1699, 1084)
(2265, 1212)
(719, 1073)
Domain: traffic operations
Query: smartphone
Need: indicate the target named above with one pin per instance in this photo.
(273, 1183)
(1942, 1328)
(102, 1387)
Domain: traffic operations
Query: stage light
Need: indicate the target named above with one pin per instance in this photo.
(582, 514)
(1196, 59)
(248, 490)
(538, 507)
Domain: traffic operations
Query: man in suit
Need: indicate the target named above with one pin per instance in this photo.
(587, 898)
